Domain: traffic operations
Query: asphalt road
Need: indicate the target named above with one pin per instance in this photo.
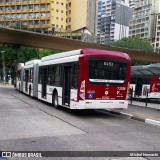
(30, 125)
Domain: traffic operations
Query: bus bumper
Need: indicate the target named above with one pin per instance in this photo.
(106, 104)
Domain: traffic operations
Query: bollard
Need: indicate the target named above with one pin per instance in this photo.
(147, 98)
(131, 95)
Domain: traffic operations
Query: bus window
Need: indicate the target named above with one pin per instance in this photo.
(75, 76)
(58, 75)
(18, 75)
(107, 71)
(30, 78)
(51, 75)
(40, 76)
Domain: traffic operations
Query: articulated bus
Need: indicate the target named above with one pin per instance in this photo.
(82, 79)
(145, 81)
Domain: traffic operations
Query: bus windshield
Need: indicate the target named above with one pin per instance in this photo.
(107, 71)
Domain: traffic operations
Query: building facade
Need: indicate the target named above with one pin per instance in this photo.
(44, 15)
(143, 23)
(112, 20)
(156, 43)
(81, 15)
(132, 3)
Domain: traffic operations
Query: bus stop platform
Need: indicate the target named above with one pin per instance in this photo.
(140, 113)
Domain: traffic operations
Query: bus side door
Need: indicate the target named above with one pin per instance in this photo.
(26, 79)
(44, 81)
(66, 84)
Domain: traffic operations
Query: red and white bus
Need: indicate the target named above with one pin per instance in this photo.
(84, 79)
(145, 81)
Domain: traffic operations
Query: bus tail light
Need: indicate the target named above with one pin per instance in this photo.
(82, 90)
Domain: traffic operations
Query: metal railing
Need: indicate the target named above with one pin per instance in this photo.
(145, 99)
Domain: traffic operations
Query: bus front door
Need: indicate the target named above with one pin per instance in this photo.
(66, 85)
(26, 80)
(44, 82)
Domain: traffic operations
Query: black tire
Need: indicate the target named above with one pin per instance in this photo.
(55, 100)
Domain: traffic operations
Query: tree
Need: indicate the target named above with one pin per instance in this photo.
(14, 55)
(134, 43)
(20, 54)
(9, 55)
(47, 52)
(137, 63)
(9, 59)
(25, 54)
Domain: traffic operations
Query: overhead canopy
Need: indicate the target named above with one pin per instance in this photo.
(146, 70)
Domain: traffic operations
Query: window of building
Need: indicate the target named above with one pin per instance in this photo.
(43, 6)
(30, 6)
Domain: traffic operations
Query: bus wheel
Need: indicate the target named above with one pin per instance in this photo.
(55, 100)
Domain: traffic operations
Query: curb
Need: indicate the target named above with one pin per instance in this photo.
(130, 116)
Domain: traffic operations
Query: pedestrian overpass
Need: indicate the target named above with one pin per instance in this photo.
(39, 40)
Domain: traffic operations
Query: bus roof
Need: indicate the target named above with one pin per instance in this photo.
(114, 54)
(146, 70)
(86, 51)
(61, 55)
(32, 62)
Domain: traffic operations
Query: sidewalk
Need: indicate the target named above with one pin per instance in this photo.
(6, 85)
(140, 113)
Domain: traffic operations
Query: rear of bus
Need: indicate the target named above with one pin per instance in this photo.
(104, 78)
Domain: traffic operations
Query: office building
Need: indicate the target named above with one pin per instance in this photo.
(112, 20)
(143, 23)
(132, 3)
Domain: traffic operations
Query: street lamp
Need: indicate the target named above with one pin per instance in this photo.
(3, 64)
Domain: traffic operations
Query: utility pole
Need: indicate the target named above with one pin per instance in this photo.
(4, 69)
